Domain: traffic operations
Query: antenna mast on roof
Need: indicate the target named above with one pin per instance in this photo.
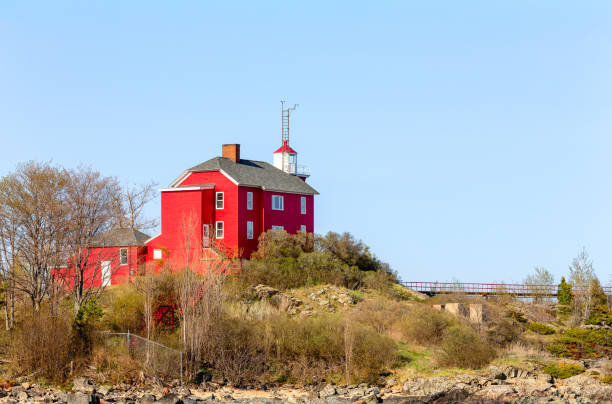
(285, 121)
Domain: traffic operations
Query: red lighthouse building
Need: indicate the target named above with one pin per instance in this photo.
(227, 202)
(231, 201)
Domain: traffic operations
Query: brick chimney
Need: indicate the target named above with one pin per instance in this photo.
(232, 152)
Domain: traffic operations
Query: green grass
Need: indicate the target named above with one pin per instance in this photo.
(415, 360)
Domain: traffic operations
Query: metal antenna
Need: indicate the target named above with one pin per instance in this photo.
(285, 121)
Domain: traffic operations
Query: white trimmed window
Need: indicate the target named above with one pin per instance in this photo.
(219, 198)
(219, 230)
(303, 228)
(278, 202)
(123, 256)
(277, 227)
(157, 254)
(303, 205)
(250, 230)
(249, 201)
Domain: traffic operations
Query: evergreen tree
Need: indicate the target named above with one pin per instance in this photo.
(598, 296)
(565, 295)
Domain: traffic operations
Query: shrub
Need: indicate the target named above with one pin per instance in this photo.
(577, 343)
(606, 379)
(504, 333)
(600, 315)
(307, 350)
(83, 327)
(42, 344)
(351, 252)
(540, 328)
(287, 261)
(123, 308)
(379, 280)
(562, 370)
(330, 345)
(115, 365)
(463, 347)
(379, 313)
(424, 325)
(240, 357)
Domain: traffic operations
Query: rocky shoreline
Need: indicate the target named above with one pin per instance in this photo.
(509, 385)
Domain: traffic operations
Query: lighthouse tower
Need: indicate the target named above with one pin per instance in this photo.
(285, 158)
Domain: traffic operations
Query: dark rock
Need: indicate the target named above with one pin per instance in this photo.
(500, 376)
(170, 399)
(146, 399)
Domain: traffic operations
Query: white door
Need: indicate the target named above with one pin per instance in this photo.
(106, 273)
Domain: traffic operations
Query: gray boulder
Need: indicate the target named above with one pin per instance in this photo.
(83, 385)
(327, 391)
(81, 398)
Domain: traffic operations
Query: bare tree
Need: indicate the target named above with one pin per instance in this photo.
(581, 277)
(539, 283)
(199, 291)
(8, 260)
(90, 201)
(31, 204)
(130, 208)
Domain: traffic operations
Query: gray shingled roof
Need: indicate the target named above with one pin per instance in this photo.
(121, 238)
(258, 174)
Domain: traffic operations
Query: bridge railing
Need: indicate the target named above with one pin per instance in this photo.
(489, 288)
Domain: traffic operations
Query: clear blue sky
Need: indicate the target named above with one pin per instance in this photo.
(461, 140)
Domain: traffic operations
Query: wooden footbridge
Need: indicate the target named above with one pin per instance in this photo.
(488, 289)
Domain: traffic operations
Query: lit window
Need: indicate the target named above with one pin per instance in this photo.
(303, 228)
(219, 199)
(157, 254)
(277, 202)
(303, 205)
(277, 227)
(250, 230)
(123, 256)
(219, 230)
(249, 200)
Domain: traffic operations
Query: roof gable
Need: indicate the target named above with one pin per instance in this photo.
(121, 238)
(257, 174)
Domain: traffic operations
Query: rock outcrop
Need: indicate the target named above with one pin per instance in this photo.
(282, 301)
(508, 384)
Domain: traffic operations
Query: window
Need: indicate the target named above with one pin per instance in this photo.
(277, 227)
(219, 230)
(277, 202)
(219, 199)
(303, 228)
(205, 236)
(157, 254)
(123, 256)
(250, 230)
(249, 200)
(303, 205)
